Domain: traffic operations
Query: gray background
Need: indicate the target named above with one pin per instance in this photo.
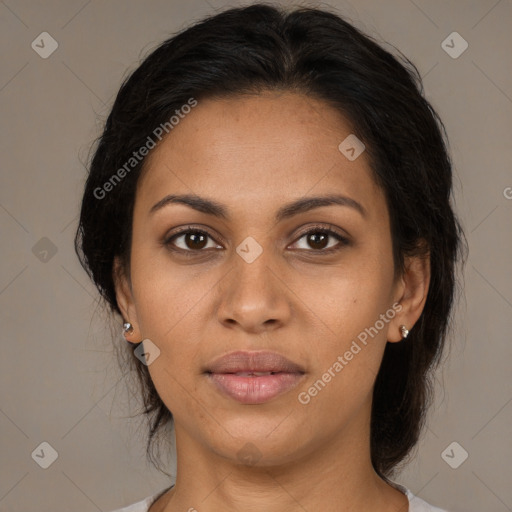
(59, 379)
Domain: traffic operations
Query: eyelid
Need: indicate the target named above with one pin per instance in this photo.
(327, 228)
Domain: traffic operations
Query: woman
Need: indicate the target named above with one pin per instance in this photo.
(268, 213)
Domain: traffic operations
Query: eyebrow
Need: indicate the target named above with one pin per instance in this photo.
(211, 207)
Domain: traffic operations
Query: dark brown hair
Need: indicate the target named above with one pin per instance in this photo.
(320, 54)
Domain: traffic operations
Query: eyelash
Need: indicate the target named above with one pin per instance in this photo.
(343, 241)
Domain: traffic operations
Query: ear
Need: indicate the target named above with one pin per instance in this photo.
(125, 300)
(411, 293)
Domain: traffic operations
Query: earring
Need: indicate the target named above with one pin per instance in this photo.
(127, 328)
(404, 331)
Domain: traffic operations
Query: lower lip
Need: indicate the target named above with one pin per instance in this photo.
(256, 389)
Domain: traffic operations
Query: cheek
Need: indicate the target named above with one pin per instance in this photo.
(168, 302)
(166, 294)
(349, 297)
(348, 353)
(346, 361)
(169, 316)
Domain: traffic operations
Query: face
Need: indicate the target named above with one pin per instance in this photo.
(310, 283)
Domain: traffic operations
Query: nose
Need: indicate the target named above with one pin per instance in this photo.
(253, 297)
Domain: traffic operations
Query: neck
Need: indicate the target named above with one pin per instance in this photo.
(336, 475)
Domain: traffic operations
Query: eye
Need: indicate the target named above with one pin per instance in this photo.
(190, 240)
(319, 238)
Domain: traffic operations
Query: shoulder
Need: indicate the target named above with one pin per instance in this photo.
(143, 505)
(416, 504)
(140, 506)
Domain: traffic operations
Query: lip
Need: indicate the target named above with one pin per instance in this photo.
(254, 389)
(246, 361)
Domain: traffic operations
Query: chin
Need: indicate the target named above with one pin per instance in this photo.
(259, 447)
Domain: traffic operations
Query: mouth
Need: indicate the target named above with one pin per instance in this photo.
(253, 363)
(254, 387)
(254, 377)
(251, 373)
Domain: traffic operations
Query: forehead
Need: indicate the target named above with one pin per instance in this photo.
(257, 150)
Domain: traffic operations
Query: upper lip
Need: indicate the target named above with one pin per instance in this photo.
(243, 361)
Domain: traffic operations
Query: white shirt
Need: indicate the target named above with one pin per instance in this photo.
(415, 504)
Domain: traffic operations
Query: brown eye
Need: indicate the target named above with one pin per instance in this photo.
(318, 240)
(190, 240)
(195, 240)
(322, 240)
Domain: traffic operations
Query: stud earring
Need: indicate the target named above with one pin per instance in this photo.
(404, 331)
(127, 328)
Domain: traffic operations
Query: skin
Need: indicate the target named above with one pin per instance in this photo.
(255, 154)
